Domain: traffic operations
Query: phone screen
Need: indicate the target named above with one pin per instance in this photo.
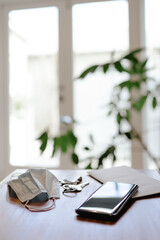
(108, 198)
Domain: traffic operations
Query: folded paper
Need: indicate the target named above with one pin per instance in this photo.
(147, 185)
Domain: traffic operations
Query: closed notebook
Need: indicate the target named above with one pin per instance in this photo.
(147, 185)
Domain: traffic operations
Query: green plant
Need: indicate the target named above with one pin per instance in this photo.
(135, 67)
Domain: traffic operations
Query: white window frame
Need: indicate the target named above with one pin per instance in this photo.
(136, 36)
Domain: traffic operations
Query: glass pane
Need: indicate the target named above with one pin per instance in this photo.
(33, 83)
(96, 34)
(152, 121)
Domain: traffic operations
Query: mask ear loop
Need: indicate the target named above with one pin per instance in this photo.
(37, 209)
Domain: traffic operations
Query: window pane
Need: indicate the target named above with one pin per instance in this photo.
(96, 34)
(33, 83)
(152, 121)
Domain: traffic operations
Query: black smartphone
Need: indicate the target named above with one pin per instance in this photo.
(108, 201)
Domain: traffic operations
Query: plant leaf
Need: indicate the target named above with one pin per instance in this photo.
(128, 135)
(138, 105)
(105, 67)
(75, 158)
(118, 66)
(91, 69)
(91, 139)
(109, 151)
(114, 158)
(44, 139)
(72, 139)
(62, 143)
(89, 166)
(87, 148)
(119, 118)
(109, 112)
(130, 56)
(54, 147)
(143, 66)
(128, 115)
(65, 141)
(128, 84)
(154, 102)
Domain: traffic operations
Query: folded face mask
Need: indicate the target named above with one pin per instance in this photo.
(35, 186)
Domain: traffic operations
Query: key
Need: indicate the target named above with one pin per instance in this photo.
(65, 181)
(79, 187)
(74, 188)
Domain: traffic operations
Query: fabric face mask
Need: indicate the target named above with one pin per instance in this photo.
(35, 186)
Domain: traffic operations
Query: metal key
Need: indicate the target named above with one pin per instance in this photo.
(79, 187)
(68, 182)
(74, 188)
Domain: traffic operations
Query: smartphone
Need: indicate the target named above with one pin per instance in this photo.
(108, 201)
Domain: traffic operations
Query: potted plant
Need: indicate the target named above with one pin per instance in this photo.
(135, 66)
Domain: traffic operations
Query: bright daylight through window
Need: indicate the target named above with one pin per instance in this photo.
(33, 83)
(34, 95)
(152, 123)
(49, 44)
(94, 41)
